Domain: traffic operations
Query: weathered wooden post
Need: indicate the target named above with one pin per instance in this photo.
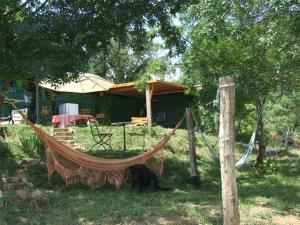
(149, 91)
(227, 159)
(192, 148)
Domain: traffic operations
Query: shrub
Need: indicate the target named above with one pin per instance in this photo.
(38, 176)
(33, 147)
(3, 132)
(268, 166)
(8, 163)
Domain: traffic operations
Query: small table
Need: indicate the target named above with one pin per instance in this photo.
(124, 134)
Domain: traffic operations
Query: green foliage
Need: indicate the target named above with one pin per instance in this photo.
(33, 146)
(38, 176)
(282, 112)
(269, 166)
(8, 164)
(3, 132)
(246, 123)
(158, 67)
(50, 38)
(253, 41)
(120, 63)
(207, 118)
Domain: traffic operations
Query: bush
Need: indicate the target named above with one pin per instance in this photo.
(33, 147)
(38, 176)
(8, 163)
(268, 166)
(3, 132)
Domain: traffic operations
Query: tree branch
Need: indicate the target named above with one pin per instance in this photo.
(40, 7)
(288, 45)
(8, 13)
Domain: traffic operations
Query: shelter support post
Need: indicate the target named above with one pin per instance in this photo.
(227, 160)
(37, 99)
(192, 148)
(149, 93)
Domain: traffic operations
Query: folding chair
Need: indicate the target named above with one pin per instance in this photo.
(138, 121)
(102, 140)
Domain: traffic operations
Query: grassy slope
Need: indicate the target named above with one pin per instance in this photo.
(264, 199)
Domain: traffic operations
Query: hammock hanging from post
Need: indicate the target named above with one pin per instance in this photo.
(248, 152)
(250, 146)
(77, 167)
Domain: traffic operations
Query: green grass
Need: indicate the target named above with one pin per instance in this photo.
(262, 197)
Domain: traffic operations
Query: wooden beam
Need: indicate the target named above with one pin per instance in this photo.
(164, 83)
(227, 159)
(168, 92)
(148, 106)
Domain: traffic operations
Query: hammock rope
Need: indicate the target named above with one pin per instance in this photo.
(247, 153)
(75, 166)
(204, 140)
(250, 146)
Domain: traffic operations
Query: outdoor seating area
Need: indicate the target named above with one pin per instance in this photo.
(149, 112)
(95, 103)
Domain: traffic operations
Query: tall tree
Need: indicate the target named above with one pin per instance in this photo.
(45, 39)
(257, 42)
(121, 63)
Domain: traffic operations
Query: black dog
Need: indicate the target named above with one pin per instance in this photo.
(145, 178)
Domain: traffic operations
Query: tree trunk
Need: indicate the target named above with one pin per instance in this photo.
(1, 182)
(3, 91)
(260, 134)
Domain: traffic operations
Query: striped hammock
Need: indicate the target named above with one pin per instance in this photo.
(77, 167)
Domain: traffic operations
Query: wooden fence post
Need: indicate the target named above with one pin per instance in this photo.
(192, 148)
(149, 105)
(227, 160)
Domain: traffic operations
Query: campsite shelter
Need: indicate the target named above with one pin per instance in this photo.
(164, 101)
(120, 102)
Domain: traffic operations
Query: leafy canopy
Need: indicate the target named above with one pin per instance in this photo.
(47, 38)
(256, 42)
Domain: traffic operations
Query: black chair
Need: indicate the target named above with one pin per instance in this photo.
(102, 139)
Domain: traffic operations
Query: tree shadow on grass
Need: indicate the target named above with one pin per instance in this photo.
(78, 201)
(284, 196)
(280, 188)
(115, 154)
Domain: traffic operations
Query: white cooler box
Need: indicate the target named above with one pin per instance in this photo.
(68, 109)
